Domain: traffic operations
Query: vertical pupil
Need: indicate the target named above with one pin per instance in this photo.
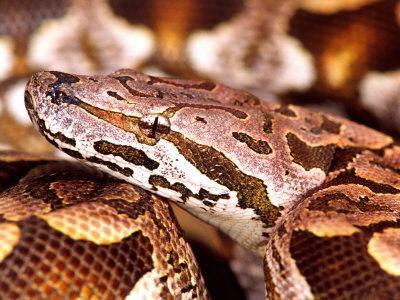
(154, 129)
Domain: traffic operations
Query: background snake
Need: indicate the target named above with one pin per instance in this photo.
(314, 194)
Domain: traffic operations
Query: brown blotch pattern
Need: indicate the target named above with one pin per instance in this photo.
(343, 156)
(328, 126)
(286, 111)
(259, 146)
(268, 121)
(327, 203)
(350, 177)
(310, 157)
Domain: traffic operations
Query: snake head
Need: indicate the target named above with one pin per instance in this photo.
(173, 137)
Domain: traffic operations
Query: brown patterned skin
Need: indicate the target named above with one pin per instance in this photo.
(70, 232)
(275, 178)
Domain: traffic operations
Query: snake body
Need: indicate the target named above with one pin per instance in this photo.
(69, 232)
(314, 194)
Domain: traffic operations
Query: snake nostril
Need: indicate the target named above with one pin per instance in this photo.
(28, 101)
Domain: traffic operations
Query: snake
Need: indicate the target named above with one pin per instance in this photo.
(314, 194)
(310, 193)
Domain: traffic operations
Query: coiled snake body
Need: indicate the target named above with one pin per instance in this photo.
(316, 195)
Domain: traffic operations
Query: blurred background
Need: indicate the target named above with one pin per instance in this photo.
(338, 56)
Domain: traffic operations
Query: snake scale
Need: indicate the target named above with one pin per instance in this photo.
(313, 194)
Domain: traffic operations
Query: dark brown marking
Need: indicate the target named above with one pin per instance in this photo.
(58, 97)
(343, 156)
(285, 110)
(277, 256)
(350, 177)
(208, 203)
(114, 167)
(115, 95)
(328, 126)
(159, 181)
(72, 153)
(201, 119)
(128, 153)
(332, 202)
(64, 78)
(310, 157)
(124, 81)
(178, 106)
(259, 146)
(202, 85)
(267, 126)
(281, 230)
(251, 191)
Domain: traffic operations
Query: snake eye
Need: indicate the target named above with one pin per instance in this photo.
(154, 126)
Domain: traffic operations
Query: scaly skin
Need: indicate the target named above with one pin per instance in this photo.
(262, 174)
(68, 231)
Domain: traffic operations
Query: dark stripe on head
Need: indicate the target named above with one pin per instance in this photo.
(259, 146)
(159, 181)
(124, 81)
(178, 106)
(128, 153)
(114, 167)
(201, 85)
(72, 153)
(115, 95)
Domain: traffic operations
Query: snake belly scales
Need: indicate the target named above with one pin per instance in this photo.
(314, 194)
